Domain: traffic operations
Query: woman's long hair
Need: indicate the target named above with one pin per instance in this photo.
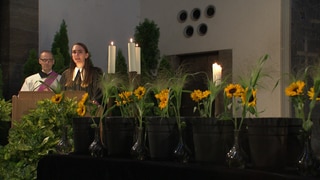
(87, 68)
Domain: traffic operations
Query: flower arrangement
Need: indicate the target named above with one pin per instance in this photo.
(125, 102)
(169, 97)
(109, 87)
(62, 108)
(300, 96)
(134, 103)
(243, 96)
(91, 108)
(205, 99)
(162, 98)
(5, 110)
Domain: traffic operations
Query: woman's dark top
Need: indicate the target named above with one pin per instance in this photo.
(93, 89)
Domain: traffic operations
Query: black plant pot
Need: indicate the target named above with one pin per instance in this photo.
(212, 139)
(294, 141)
(268, 142)
(118, 135)
(83, 134)
(162, 137)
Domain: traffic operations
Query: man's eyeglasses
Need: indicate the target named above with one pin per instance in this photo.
(46, 60)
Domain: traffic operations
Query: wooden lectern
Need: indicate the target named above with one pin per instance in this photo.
(27, 100)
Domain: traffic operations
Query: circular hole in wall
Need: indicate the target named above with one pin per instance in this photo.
(188, 31)
(195, 14)
(210, 11)
(202, 29)
(182, 16)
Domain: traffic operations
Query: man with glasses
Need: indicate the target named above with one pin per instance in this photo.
(46, 79)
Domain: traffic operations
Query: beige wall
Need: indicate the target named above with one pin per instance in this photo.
(250, 28)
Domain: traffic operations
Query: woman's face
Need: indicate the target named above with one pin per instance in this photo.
(79, 55)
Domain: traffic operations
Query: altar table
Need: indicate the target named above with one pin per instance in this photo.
(69, 167)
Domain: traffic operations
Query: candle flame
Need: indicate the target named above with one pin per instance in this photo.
(137, 45)
(131, 40)
(111, 43)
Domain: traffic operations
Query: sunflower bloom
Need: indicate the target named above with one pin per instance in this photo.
(252, 101)
(311, 94)
(295, 88)
(140, 92)
(125, 96)
(233, 90)
(163, 98)
(84, 97)
(205, 94)
(56, 98)
(196, 95)
(81, 110)
(163, 104)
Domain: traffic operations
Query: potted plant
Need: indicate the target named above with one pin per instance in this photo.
(141, 104)
(160, 127)
(210, 135)
(169, 103)
(242, 98)
(303, 94)
(35, 136)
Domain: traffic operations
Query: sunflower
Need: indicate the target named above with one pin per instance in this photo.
(84, 97)
(252, 99)
(205, 94)
(233, 90)
(311, 94)
(163, 97)
(124, 98)
(57, 98)
(295, 88)
(140, 92)
(196, 95)
(81, 110)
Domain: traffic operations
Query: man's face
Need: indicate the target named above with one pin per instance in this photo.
(46, 61)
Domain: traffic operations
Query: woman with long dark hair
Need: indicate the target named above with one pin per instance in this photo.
(81, 74)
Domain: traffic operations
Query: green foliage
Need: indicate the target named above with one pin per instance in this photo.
(58, 62)
(1, 82)
(147, 36)
(5, 110)
(121, 65)
(61, 43)
(165, 67)
(35, 136)
(32, 64)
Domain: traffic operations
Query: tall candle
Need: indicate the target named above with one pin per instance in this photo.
(111, 58)
(138, 59)
(131, 56)
(216, 73)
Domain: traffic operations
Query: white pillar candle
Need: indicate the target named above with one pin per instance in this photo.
(138, 59)
(131, 56)
(111, 58)
(216, 73)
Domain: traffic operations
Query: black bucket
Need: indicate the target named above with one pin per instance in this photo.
(117, 135)
(212, 139)
(162, 137)
(83, 134)
(268, 142)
